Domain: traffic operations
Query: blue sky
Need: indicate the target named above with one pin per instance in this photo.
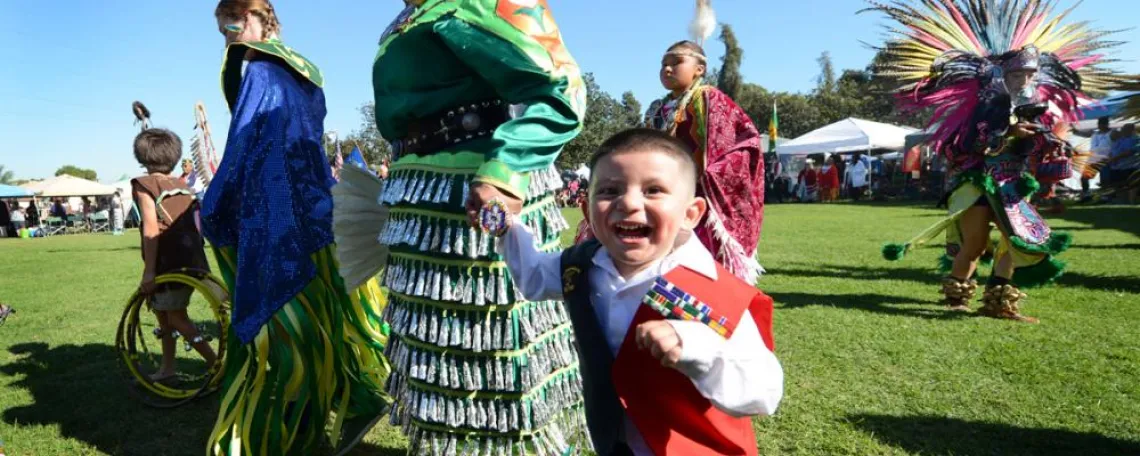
(70, 73)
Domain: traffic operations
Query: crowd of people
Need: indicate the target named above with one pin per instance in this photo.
(853, 176)
(31, 218)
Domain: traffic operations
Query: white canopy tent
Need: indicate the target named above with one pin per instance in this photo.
(65, 185)
(848, 135)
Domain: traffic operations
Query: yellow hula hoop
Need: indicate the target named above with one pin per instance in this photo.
(209, 287)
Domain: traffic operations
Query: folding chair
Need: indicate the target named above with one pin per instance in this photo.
(100, 222)
(53, 226)
(76, 224)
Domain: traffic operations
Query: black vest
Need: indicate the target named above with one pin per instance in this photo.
(604, 413)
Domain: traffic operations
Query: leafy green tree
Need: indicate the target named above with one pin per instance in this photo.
(631, 110)
(730, 81)
(605, 116)
(7, 177)
(76, 171)
(373, 146)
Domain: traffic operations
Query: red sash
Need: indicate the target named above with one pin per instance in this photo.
(669, 412)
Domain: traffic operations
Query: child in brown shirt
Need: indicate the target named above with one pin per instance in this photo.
(170, 242)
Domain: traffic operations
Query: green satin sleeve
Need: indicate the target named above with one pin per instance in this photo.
(543, 118)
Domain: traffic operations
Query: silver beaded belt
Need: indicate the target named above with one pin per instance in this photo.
(455, 126)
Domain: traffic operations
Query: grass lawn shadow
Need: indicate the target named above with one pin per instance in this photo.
(867, 302)
(370, 449)
(1120, 218)
(110, 249)
(911, 274)
(1106, 247)
(929, 275)
(942, 435)
(78, 387)
(1129, 284)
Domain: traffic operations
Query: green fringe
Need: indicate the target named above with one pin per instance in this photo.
(317, 334)
(945, 263)
(1058, 242)
(894, 251)
(1043, 273)
(1027, 185)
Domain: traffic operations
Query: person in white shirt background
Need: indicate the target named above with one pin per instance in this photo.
(643, 216)
(858, 175)
(1101, 147)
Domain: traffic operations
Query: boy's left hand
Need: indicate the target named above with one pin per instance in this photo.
(661, 340)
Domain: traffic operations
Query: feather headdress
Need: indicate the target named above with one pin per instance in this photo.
(142, 114)
(704, 22)
(947, 51)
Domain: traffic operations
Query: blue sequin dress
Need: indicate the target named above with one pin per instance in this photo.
(304, 353)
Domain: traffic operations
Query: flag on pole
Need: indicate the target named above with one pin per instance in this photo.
(773, 128)
(338, 163)
(356, 158)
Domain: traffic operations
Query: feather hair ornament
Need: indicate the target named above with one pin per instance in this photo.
(202, 147)
(944, 52)
(142, 114)
(704, 22)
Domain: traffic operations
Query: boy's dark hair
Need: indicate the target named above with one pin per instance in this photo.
(158, 150)
(640, 139)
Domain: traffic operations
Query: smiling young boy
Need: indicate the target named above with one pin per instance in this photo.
(675, 351)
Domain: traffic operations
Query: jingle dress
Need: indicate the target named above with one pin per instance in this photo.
(475, 91)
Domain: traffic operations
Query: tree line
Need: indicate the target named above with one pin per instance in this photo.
(850, 93)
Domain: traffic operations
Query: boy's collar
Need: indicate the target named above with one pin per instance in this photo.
(692, 254)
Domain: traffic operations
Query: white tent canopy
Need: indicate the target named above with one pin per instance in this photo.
(848, 135)
(65, 185)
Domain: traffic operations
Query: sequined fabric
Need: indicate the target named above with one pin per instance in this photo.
(270, 199)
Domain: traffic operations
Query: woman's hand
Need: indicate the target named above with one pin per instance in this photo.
(481, 193)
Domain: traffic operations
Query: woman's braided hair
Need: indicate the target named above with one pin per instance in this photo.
(260, 8)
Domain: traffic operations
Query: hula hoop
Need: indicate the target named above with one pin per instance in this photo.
(130, 334)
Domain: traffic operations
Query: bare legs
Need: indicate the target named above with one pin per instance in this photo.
(975, 229)
(177, 320)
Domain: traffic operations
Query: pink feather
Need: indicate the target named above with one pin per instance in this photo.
(930, 40)
(1081, 63)
(965, 27)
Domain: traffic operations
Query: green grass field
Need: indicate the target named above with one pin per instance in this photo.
(873, 365)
